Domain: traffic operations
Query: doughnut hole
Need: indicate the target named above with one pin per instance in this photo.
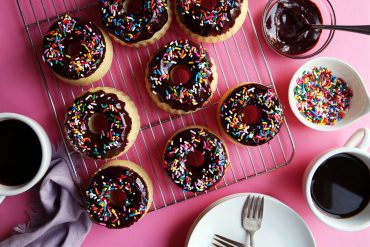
(74, 47)
(251, 115)
(117, 197)
(180, 74)
(133, 6)
(195, 159)
(98, 122)
(209, 4)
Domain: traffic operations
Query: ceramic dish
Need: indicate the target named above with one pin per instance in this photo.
(360, 102)
(281, 226)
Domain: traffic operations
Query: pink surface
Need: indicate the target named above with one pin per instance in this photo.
(21, 82)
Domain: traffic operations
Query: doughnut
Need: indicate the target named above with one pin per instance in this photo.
(188, 96)
(137, 27)
(102, 123)
(250, 114)
(119, 194)
(77, 51)
(191, 141)
(211, 24)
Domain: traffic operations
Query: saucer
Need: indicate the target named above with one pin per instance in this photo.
(281, 226)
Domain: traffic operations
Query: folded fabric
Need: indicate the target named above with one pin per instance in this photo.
(57, 216)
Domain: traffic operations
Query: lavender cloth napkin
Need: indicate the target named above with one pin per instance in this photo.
(57, 217)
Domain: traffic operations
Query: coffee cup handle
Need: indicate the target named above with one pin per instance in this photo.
(2, 199)
(360, 139)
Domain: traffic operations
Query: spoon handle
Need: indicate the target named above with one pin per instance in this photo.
(365, 29)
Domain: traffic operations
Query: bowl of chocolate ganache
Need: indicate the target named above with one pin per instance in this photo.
(286, 26)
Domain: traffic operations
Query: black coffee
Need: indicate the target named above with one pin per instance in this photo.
(341, 186)
(20, 153)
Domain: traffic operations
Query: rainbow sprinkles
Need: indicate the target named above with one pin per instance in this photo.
(321, 97)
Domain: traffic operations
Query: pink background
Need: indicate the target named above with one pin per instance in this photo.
(20, 82)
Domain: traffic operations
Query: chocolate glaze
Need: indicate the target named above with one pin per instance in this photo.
(186, 175)
(98, 197)
(132, 27)
(71, 45)
(104, 145)
(287, 26)
(198, 87)
(208, 22)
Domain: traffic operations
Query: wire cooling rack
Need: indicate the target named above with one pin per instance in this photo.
(238, 59)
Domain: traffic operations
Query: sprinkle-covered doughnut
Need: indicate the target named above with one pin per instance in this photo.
(117, 133)
(119, 194)
(237, 107)
(177, 154)
(136, 27)
(74, 49)
(211, 24)
(190, 95)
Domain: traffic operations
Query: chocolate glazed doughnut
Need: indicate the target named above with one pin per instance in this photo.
(119, 194)
(177, 158)
(77, 51)
(102, 123)
(190, 95)
(137, 27)
(250, 114)
(214, 24)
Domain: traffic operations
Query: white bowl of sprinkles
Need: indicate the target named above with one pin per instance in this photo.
(328, 94)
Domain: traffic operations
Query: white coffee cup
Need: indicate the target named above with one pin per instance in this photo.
(357, 146)
(6, 190)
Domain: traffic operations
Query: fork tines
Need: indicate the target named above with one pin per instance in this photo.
(220, 241)
(254, 207)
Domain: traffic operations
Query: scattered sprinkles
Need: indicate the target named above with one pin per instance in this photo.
(321, 97)
(188, 96)
(101, 206)
(185, 143)
(61, 35)
(202, 21)
(260, 97)
(110, 141)
(134, 27)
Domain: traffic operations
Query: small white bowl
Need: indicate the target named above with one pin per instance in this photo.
(360, 102)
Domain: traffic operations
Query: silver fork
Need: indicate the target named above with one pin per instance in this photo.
(221, 241)
(252, 215)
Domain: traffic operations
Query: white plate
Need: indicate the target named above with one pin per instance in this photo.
(281, 226)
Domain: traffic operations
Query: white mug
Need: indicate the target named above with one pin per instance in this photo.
(45, 160)
(357, 146)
